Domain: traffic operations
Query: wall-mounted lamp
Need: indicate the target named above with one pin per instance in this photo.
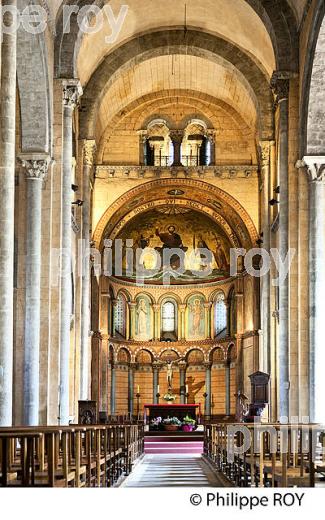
(277, 190)
(273, 202)
(74, 187)
(78, 203)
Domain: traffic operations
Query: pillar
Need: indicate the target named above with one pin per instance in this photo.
(132, 306)
(89, 149)
(227, 379)
(113, 388)
(132, 367)
(36, 167)
(7, 199)
(316, 171)
(265, 358)
(207, 410)
(181, 334)
(211, 135)
(182, 377)
(280, 86)
(207, 316)
(177, 139)
(114, 317)
(71, 93)
(156, 310)
(155, 376)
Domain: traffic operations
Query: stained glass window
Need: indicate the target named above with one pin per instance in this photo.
(220, 314)
(168, 317)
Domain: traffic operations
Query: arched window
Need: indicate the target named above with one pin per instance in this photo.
(168, 317)
(220, 315)
(120, 323)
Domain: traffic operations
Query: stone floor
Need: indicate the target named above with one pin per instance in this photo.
(172, 471)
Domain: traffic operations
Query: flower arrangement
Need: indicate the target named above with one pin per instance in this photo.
(172, 420)
(156, 422)
(188, 420)
(170, 398)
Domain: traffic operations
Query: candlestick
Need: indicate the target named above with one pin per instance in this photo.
(138, 389)
(157, 389)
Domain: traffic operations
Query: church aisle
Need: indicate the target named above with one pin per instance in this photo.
(172, 471)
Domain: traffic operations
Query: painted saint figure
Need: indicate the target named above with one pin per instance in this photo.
(220, 255)
(197, 316)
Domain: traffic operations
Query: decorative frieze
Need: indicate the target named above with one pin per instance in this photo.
(150, 172)
(89, 151)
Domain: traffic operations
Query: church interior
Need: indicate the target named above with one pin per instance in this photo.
(162, 243)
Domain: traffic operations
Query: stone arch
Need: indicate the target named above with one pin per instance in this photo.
(217, 354)
(148, 356)
(195, 293)
(312, 99)
(278, 19)
(170, 295)
(116, 211)
(123, 355)
(196, 359)
(172, 42)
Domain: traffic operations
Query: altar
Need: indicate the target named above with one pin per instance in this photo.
(151, 411)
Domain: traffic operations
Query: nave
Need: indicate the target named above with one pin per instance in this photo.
(172, 471)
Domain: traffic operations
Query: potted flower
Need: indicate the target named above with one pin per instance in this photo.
(156, 423)
(171, 424)
(188, 424)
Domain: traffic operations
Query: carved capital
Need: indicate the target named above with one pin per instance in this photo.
(182, 365)
(265, 153)
(207, 365)
(72, 91)
(156, 307)
(315, 167)
(280, 86)
(89, 150)
(36, 166)
(176, 136)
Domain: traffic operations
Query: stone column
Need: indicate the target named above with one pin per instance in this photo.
(227, 379)
(36, 167)
(132, 306)
(316, 171)
(155, 377)
(71, 93)
(132, 368)
(265, 280)
(207, 316)
(113, 387)
(89, 149)
(156, 310)
(182, 377)
(7, 200)
(211, 135)
(114, 316)
(280, 86)
(207, 411)
(177, 139)
(181, 335)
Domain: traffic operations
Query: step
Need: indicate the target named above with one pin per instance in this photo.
(169, 450)
(171, 438)
(173, 444)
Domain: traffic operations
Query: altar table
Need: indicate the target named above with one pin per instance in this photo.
(171, 410)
